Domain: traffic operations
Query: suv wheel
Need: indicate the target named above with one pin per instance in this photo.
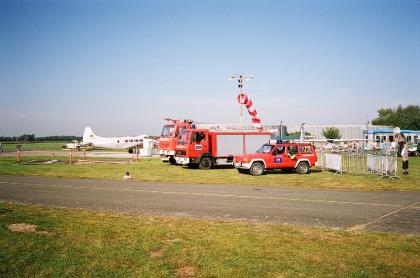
(172, 160)
(205, 163)
(303, 168)
(257, 169)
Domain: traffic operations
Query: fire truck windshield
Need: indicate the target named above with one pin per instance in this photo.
(183, 136)
(266, 148)
(167, 130)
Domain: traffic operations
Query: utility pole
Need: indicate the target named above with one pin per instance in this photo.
(241, 78)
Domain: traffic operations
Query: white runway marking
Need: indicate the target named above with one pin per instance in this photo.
(379, 219)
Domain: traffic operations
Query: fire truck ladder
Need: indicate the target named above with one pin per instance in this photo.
(237, 127)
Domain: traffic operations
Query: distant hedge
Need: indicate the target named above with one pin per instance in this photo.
(28, 138)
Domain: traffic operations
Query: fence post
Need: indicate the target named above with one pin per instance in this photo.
(18, 153)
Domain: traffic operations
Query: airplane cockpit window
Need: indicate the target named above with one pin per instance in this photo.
(118, 141)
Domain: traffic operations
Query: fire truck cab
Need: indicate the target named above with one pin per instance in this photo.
(278, 155)
(207, 148)
(168, 138)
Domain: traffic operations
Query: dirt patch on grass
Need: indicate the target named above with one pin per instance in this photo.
(25, 228)
(158, 253)
(186, 271)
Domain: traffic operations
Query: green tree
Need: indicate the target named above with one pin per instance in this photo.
(402, 117)
(27, 137)
(331, 133)
(297, 133)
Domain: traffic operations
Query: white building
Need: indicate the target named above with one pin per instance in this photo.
(346, 131)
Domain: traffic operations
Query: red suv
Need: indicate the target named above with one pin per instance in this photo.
(286, 156)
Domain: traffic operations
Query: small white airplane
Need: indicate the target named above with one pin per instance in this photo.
(142, 142)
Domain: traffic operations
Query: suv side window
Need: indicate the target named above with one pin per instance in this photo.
(278, 150)
(305, 149)
(292, 150)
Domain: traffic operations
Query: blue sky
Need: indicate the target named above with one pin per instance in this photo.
(122, 66)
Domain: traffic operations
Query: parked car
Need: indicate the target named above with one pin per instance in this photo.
(278, 155)
(414, 149)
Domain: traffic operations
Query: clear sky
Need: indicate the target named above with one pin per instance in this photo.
(122, 66)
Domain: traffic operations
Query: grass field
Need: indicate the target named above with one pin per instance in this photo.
(76, 243)
(47, 146)
(153, 170)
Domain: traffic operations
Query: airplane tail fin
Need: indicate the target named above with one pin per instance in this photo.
(88, 135)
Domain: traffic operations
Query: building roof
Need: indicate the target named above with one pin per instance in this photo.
(373, 131)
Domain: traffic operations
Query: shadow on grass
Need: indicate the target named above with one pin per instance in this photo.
(215, 168)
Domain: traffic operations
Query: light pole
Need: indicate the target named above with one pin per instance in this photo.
(241, 78)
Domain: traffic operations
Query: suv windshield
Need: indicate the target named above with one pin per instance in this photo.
(167, 130)
(266, 148)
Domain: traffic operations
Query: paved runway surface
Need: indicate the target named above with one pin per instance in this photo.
(382, 211)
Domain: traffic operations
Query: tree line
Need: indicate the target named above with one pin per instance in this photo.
(33, 138)
(402, 117)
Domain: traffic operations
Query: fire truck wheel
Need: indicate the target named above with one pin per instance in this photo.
(257, 169)
(205, 163)
(303, 168)
(172, 160)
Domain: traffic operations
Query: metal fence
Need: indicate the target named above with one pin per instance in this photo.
(382, 165)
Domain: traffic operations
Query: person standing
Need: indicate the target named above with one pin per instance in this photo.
(404, 155)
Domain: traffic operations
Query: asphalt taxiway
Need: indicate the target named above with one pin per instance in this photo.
(380, 211)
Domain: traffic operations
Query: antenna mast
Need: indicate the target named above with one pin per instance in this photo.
(241, 78)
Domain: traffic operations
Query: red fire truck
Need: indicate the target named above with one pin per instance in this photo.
(278, 155)
(169, 137)
(207, 148)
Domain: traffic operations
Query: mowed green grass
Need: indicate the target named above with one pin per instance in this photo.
(93, 244)
(50, 146)
(153, 170)
(47, 146)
